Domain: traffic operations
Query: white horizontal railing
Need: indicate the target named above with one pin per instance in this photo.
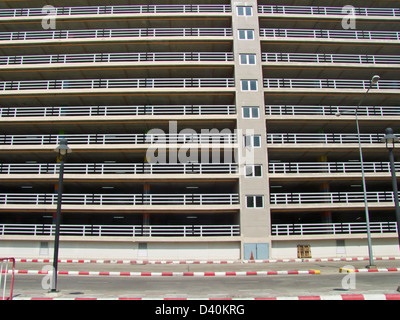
(330, 167)
(332, 228)
(116, 57)
(120, 168)
(119, 9)
(341, 138)
(119, 199)
(294, 110)
(94, 111)
(313, 10)
(118, 138)
(115, 33)
(339, 84)
(120, 230)
(330, 197)
(329, 34)
(329, 58)
(117, 83)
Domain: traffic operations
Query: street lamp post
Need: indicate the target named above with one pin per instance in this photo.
(390, 139)
(62, 150)
(374, 80)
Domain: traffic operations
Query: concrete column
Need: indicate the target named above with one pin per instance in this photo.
(255, 222)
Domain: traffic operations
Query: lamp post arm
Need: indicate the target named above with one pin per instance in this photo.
(362, 98)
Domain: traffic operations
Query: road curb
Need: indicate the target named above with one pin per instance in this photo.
(349, 270)
(168, 274)
(116, 261)
(321, 297)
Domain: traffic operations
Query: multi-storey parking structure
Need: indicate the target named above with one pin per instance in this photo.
(198, 130)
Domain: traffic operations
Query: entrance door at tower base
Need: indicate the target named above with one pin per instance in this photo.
(256, 251)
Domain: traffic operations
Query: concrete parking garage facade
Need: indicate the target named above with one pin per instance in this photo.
(198, 130)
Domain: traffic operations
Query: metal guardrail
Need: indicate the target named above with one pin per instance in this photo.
(340, 84)
(332, 228)
(116, 57)
(95, 111)
(329, 34)
(139, 9)
(191, 168)
(119, 199)
(321, 10)
(89, 139)
(294, 110)
(115, 33)
(4, 271)
(120, 168)
(121, 230)
(117, 83)
(191, 83)
(330, 167)
(120, 9)
(330, 197)
(341, 138)
(328, 58)
(195, 32)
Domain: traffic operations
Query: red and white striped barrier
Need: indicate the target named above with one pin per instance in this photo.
(375, 270)
(129, 261)
(203, 261)
(167, 274)
(322, 297)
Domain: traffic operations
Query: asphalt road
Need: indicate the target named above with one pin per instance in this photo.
(327, 267)
(212, 287)
(329, 282)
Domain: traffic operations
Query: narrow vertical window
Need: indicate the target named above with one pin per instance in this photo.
(251, 112)
(253, 170)
(254, 201)
(246, 34)
(244, 11)
(252, 141)
(249, 85)
(247, 58)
